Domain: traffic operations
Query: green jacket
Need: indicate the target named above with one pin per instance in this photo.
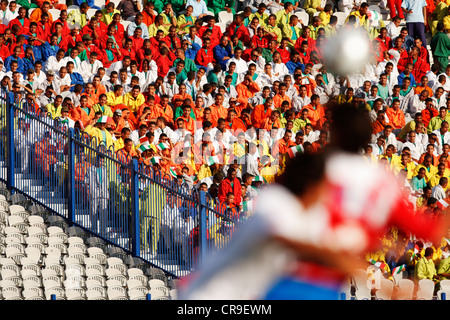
(425, 269)
(444, 267)
(440, 45)
(26, 4)
(189, 65)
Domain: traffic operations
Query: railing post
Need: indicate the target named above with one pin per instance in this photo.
(71, 175)
(135, 220)
(10, 164)
(203, 229)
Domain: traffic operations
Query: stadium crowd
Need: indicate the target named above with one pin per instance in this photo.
(223, 107)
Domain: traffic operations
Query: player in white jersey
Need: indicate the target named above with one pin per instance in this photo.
(311, 228)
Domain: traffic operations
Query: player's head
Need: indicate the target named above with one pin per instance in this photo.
(303, 175)
(351, 128)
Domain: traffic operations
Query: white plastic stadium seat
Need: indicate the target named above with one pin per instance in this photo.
(341, 16)
(385, 291)
(99, 3)
(426, 289)
(444, 284)
(304, 17)
(405, 289)
(55, 13)
(225, 17)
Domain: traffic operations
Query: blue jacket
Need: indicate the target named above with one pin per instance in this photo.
(89, 2)
(401, 76)
(47, 51)
(192, 53)
(294, 65)
(76, 79)
(27, 64)
(8, 61)
(221, 52)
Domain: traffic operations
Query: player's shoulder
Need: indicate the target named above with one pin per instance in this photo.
(353, 168)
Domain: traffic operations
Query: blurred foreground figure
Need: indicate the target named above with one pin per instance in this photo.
(312, 228)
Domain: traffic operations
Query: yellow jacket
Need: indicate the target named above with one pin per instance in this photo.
(325, 17)
(112, 100)
(132, 103)
(152, 29)
(283, 18)
(262, 18)
(182, 20)
(379, 256)
(106, 111)
(395, 163)
(425, 269)
(101, 136)
(275, 30)
(289, 33)
(119, 144)
(108, 18)
(428, 173)
(410, 169)
(434, 180)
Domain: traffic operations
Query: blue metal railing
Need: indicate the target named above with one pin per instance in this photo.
(127, 203)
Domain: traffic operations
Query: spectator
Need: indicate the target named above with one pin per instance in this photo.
(230, 184)
(425, 268)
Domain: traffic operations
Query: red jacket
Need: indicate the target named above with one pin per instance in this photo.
(137, 44)
(163, 63)
(93, 48)
(72, 41)
(420, 67)
(24, 29)
(311, 44)
(44, 31)
(125, 52)
(65, 29)
(104, 39)
(171, 45)
(225, 187)
(285, 54)
(216, 32)
(260, 43)
(120, 31)
(4, 52)
(241, 32)
(204, 57)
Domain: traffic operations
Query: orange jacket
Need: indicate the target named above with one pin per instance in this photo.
(244, 93)
(278, 100)
(280, 147)
(267, 124)
(180, 97)
(218, 112)
(35, 16)
(79, 114)
(396, 118)
(314, 115)
(189, 124)
(259, 114)
(317, 147)
(166, 112)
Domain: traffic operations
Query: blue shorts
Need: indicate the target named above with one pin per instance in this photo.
(294, 289)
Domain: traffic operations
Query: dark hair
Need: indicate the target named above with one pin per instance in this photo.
(429, 251)
(351, 128)
(302, 171)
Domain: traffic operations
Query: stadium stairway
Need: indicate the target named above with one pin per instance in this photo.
(43, 258)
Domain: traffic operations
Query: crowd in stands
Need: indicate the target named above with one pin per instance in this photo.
(223, 106)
